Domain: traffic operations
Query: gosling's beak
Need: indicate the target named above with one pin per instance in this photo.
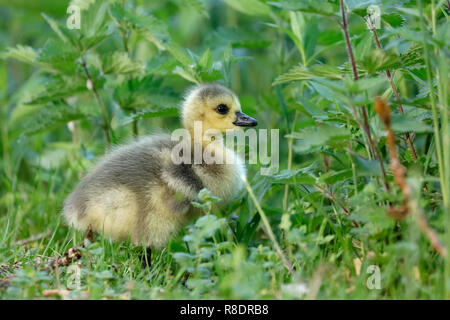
(243, 120)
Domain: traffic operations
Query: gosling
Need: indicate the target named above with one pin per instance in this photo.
(138, 192)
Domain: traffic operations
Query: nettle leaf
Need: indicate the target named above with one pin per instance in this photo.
(310, 6)
(82, 4)
(60, 87)
(146, 92)
(58, 56)
(206, 61)
(180, 54)
(332, 177)
(250, 7)
(288, 176)
(341, 89)
(187, 74)
(50, 117)
(394, 20)
(148, 25)
(239, 38)
(325, 134)
(413, 57)
(379, 60)
(366, 166)
(403, 123)
(63, 33)
(120, 63)
(55, 56)
(198, 5)
(93, 26)
(21, 53)
(298, 73)
(311, 108)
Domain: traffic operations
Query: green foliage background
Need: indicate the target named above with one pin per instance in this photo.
(66, 95)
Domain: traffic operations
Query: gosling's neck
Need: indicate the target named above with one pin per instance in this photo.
(205, 137)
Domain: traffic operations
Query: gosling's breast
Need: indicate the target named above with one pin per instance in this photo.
(223, 179)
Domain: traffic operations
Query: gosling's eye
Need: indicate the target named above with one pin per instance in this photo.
(222, 109)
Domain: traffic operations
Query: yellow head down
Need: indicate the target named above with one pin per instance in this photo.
(216, 107)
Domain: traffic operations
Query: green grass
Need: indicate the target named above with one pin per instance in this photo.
(325, 213)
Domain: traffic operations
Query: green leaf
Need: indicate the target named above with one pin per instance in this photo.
(49, 118)
(325, 134)
(198, 6)
(63, 33)
(332, 177)
(250, 7)
(21, 53)
(310, 6)
(146, 24)
(205, 61)
(366, 166)
(187, 74)
(239, 38)
(119, 62)
(59, 87)
(288, 176)
(403, 123)
(298, 73)
(56, 55)
(379, 60)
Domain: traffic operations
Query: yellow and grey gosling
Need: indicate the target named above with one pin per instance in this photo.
(137, 192)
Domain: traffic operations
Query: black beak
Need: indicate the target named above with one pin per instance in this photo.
(243, 120)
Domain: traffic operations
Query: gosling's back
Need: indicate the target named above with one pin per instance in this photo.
(135, 192)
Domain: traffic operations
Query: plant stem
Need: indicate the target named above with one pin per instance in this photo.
(127, 50)
(399, 172)
(267, 227)
(433, 103)
(394, 89)
(366, 126)
(289, 165)
(106, 124)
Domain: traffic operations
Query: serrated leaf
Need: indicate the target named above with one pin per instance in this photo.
(198, 6)
(187, 74)
(58, 56)
(205, 61)
(298, 73)
(403, 123)
(62, 32)
(148, 25)
(312, 137)
(119, 62)
(59, 88)
(379, 60)
(50, 117)
(250, 7)
(21, 53)
(239, 38)
(310, 6)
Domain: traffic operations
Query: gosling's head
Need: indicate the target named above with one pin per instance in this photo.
(216, 107)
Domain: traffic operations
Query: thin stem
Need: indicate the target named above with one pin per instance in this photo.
(432, 101)
(289, 165)
(267, 228)
(106, 124)
(124, 34)
(365, 126)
